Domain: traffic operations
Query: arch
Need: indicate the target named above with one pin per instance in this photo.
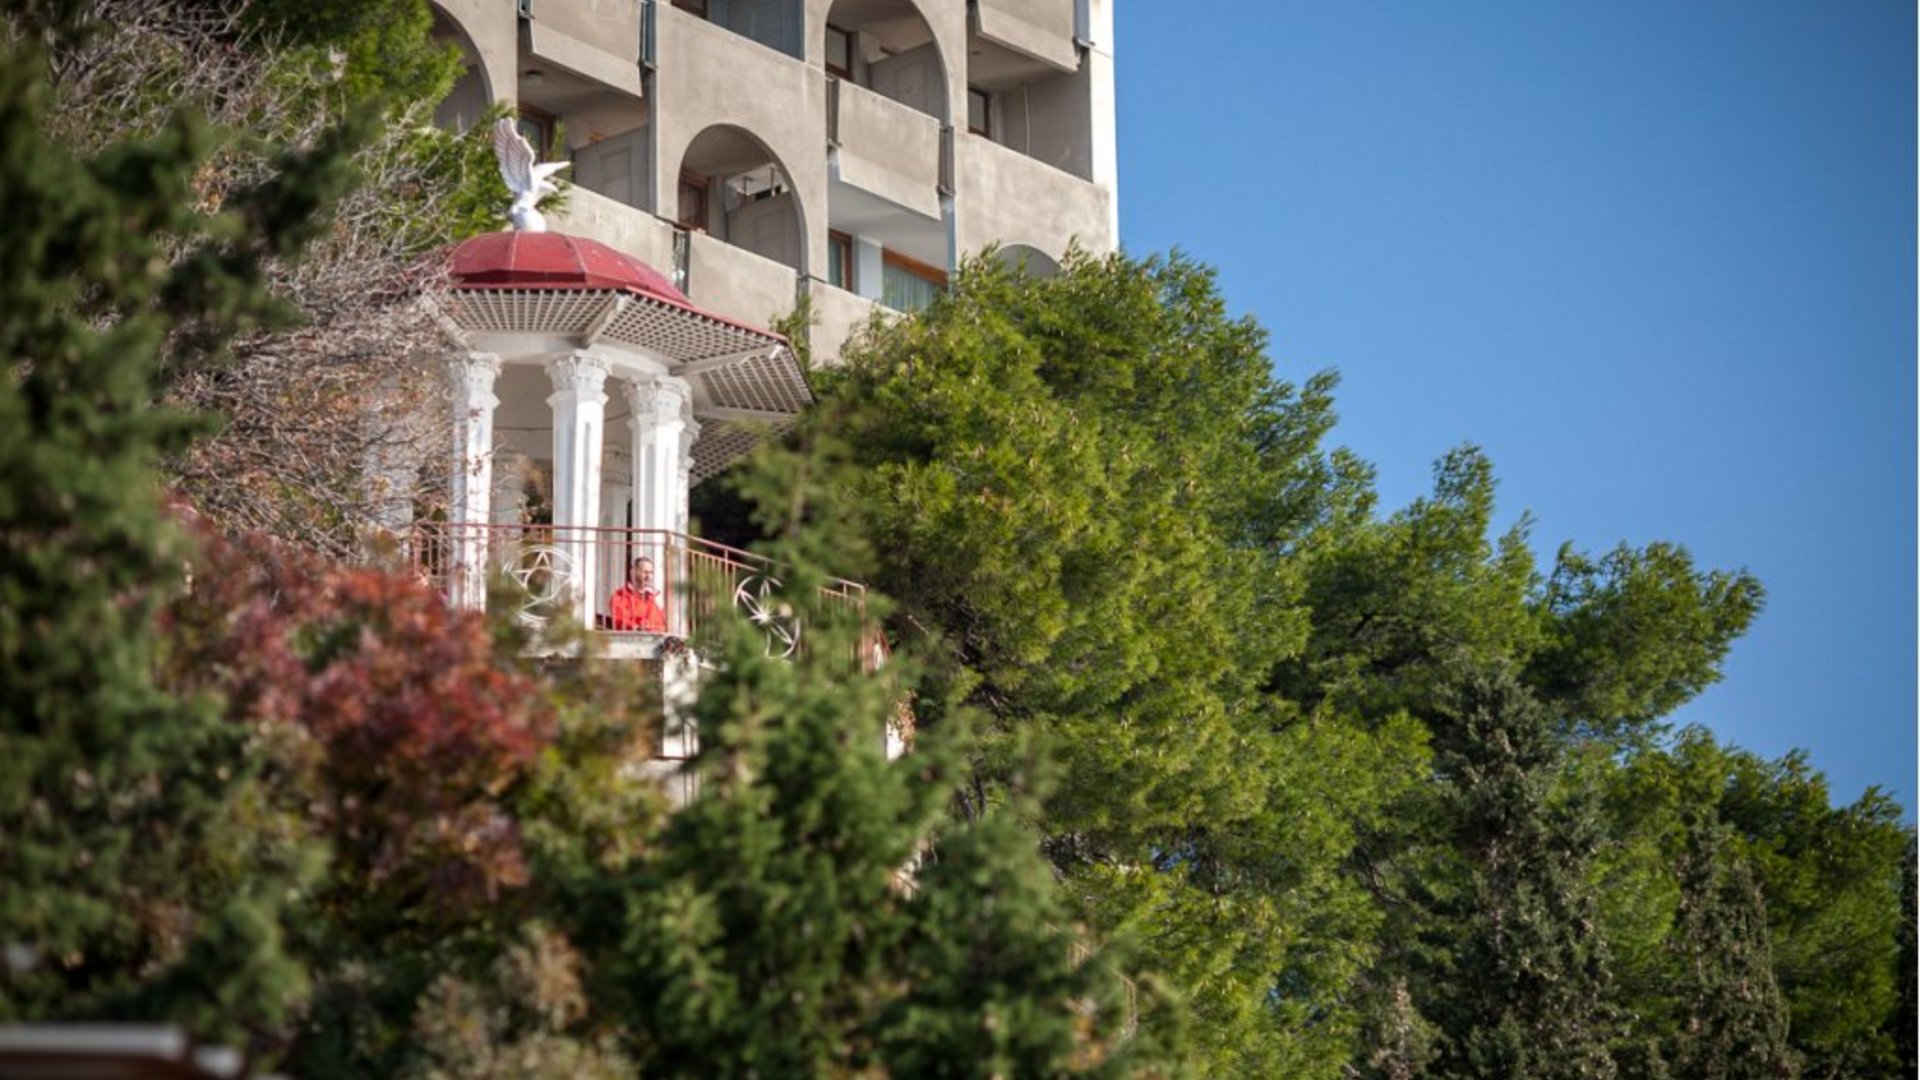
(743, 193)
(911, 67)
(474, 90)
(1027, 259)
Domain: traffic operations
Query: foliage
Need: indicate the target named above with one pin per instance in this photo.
(414, 724)
(1082, 491)
(147, 864)
(811, 912)
(1132, 550)
(1732, 1021)
(1521, 988)
(1828, 881)
(329, 427)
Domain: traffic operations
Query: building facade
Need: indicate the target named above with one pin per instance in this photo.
(848, 152)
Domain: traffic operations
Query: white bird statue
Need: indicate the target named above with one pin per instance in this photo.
(527, 180)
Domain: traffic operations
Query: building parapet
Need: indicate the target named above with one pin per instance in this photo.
(886, 148)
(1006, 197)
(838, 315)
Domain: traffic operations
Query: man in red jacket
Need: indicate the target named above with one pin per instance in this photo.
(636, 604)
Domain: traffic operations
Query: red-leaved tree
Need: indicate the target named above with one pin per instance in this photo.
(398, 721)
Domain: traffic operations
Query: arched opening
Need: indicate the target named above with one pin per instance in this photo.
(733, 188)
(1027, 260)
(471, 94)
(887, 46)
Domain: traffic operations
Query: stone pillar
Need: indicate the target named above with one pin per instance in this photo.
(684, 516)
(656, 423)
(579, 402)
(470, 500)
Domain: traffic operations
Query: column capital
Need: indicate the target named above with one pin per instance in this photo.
(687, 436)
(579, 372)
(473, 375)
(657, 401)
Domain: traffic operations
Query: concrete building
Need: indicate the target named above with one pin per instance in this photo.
(848, 151)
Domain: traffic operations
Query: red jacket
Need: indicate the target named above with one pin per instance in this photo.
(632, 609)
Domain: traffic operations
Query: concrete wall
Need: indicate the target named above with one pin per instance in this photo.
(913, 78)
(737, 283)
(493, 31)
(1042, 29)
(768, 226)
(616, 167)
(617, 225)
(1047, 121)
(599, 39)
(717, 77)
(889, 149)
(837, 316)
(1004, 196)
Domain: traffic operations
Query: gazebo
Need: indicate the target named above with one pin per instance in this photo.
(563, 339)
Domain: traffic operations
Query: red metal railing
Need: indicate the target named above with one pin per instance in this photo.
(571, 572)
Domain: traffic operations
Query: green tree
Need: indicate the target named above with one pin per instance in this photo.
(809, 913)
(1522, 984)
(147, 867)
(1732, 1021)
(1828, 879)
(1085, 492)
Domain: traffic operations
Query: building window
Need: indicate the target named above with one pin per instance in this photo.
(840, 260)
(839, 52)
(538, 126)
(697, 7)
(693, 202)
(908, 284)
(979, 112)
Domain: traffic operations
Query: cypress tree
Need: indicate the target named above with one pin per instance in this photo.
(1524, 992)
(144, 873)
(1732, 1021)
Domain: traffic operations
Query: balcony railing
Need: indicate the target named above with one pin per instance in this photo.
(554, 573)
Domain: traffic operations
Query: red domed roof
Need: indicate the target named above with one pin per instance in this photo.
(544, 260)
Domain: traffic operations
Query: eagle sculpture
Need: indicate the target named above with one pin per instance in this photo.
(526, 179)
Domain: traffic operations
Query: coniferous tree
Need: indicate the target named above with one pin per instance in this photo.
(1731, 1023)
(1524, 988)
(144, 870)
(813, 911)
(1905, 1015)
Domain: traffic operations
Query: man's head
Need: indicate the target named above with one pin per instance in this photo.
(640, 574)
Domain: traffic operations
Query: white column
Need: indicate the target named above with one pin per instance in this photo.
(683, 517)
(471, 496)
(658, 407)
(657, 422)
(579, 402)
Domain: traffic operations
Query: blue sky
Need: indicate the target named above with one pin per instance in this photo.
(1657, 258)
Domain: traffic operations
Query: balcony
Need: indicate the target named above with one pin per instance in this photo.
(595, 39)
(838, 316)
(885, 148)
(1010, 198)
(617, 225)
(1043, 30)
(738, 283)
(546, 574)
